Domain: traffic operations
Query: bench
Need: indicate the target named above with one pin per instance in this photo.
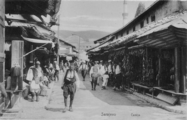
(170, 99)
(140, 86)
(169, 91)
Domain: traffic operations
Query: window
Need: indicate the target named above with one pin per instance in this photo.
(152, 18)
(142, 24)
(147, 20)
(127, 32)
(134, 28)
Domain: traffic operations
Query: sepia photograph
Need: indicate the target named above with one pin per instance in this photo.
(93, 59)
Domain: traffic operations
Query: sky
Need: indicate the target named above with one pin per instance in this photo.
(101, 15)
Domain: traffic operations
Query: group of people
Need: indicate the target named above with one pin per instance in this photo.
(108, 74)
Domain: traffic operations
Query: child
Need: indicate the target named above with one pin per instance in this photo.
(105, 80)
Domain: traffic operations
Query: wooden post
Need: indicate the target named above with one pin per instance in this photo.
(31, 55)
(17, 56)
(183, 66)
(177, 69)
(2, 40)
(159, 65)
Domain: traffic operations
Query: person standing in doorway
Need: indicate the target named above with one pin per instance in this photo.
(69, 86)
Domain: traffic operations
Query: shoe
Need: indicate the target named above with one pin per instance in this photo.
(71, 109)
(64, 110)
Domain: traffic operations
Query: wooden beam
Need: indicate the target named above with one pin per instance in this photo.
(177, 69)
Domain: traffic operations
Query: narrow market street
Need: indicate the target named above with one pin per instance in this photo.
(92, 105)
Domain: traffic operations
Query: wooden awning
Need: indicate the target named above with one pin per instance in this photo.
(171, 34)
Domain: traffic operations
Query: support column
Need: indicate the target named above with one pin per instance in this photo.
(177, 69)
(31, 55)
(159, 67)
(17, 57)
(183, 66)
(2, 40)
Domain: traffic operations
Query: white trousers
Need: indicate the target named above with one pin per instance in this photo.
(105, 81)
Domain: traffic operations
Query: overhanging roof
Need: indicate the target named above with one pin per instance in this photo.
(168, 35)
(34, 7)
(155, 4)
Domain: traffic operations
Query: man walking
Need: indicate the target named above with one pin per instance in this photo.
(69, 86)
(109, 70)
(94, 75)
(83, 68)
(57, 69)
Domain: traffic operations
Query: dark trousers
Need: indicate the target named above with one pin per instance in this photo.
(94, 83)
(56, 74)
(110, 79)
(118, 79)
(83, 72)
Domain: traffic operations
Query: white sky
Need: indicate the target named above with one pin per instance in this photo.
(102, 15)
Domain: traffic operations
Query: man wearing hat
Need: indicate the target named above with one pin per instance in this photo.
(69, 86)
(35, 76)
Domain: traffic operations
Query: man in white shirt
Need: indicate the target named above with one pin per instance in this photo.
(110, 72)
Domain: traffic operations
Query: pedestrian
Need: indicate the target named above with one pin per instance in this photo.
(94, 75)
(69, 86)
(62, 66)
(83, 68)
(101, 71)
(57, 69)
(110, 72)
(117, 77)
(35, 76)
(105, 80)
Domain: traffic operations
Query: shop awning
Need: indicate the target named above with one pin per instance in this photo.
(38, 41)
(167, 35)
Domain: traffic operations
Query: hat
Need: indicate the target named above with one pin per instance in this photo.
(101, 60)
(38, 62)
